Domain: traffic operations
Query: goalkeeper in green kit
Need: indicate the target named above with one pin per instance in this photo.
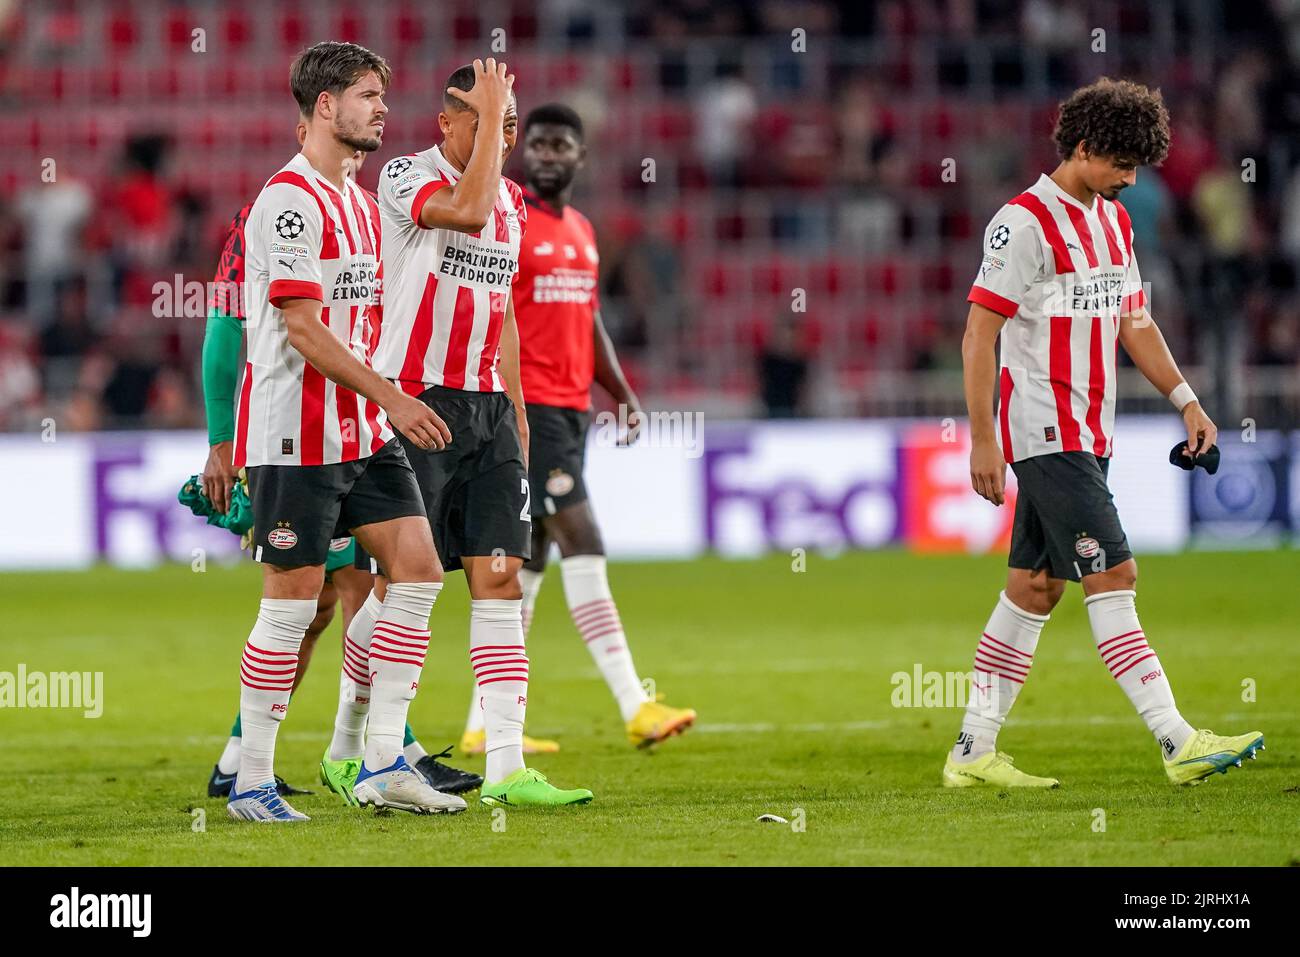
(221, 495)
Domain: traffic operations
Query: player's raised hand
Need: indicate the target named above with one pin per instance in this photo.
(1201, 432)
(988, 471)
(219, 476)
(418, 422)
(492, 86)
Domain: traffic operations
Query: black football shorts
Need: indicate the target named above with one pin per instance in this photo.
(475, 491)
(1065, 518)
(557, 454)
(298, 509)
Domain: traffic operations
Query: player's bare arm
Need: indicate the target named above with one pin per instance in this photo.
(988, 467)
(467, 205)
(609, 376)
(318, 346)
(510, 373)
(1146, 346)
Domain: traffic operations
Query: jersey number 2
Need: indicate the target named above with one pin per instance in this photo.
(524, 515)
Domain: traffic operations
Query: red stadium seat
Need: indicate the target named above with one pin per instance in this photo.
(349, 27)
(237, 30)
(408, 26)
(123, 31)
(292, 33)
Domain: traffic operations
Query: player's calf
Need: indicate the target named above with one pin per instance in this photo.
(266, 671)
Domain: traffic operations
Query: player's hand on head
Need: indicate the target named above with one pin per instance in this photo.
(492, 86)
(1201, 431)
(988, 471)
(419, 423)
(220, 475)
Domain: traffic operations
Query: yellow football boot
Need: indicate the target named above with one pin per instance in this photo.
(655, 722)
(994, 768)
(1205, 752)
(475, 742)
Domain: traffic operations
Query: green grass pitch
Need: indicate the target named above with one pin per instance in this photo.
(790, 672)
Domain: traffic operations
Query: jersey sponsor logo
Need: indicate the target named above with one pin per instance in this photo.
(339, 544)
(564, 285)
(398, 166)
(478, 264)
(1001, 236)
(282, 538)
(543, 249)
(287, 264)
(559, 483)
(1101, 294)
(356, 285)
(290, 224)
(1087, 547)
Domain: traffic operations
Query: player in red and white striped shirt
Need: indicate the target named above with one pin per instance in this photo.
(563, 348)
(452, 227)
(1059, 284)
(311, 429)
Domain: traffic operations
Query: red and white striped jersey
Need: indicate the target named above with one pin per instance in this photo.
(1063, 275)
(304, 239)
(445, 291)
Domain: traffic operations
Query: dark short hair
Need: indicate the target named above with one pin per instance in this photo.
(1118, 119)
(462, 79)
(556, 113)
(332, 67)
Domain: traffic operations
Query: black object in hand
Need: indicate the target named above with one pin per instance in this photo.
(1208, 460)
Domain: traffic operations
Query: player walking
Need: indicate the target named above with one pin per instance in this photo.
(345, 585)
(452, 227)
(562, 347)
(312, 430)
(1059, 282)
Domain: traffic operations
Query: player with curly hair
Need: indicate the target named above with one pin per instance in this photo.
(1059, 283)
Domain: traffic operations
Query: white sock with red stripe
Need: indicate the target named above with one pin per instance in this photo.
(591, 604)
(398, 644)
(496, 652)
(354, 682)
(1002, 661)
(1124, 649)
(266, 673)
(531, 582)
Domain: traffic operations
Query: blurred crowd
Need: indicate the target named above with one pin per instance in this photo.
(850, 152)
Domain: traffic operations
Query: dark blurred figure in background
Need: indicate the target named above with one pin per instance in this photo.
(782, 368)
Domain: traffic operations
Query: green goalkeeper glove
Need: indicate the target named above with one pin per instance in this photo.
(238, 520)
